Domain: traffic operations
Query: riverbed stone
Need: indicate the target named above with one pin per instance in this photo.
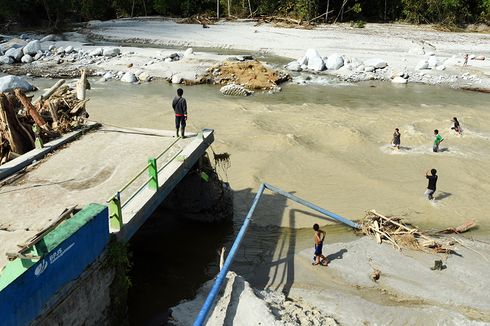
(111, 52)
(129, 77)
(96, 52)
(15, 53)
(314, 60)
(6, 60)
(235, 90)
(334, 61)
(480, 57)
(369, 68)
(69, 49)
(433, 62)
(144, 76)
(8, 83)
(441, 67)
(423, 64)
(176, 79)
(32, 47)
(47, 38)
(376, 63)
(293, 66)
(399, 80)
(188, 52)
(26, 59)
(108, 75)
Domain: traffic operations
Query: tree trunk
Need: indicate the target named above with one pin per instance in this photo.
(26, 102)
(326, 12)
(20, 140)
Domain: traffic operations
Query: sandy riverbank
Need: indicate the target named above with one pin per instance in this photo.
(407, 293)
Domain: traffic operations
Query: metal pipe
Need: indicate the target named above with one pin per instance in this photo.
(313, 206)
(208, 304)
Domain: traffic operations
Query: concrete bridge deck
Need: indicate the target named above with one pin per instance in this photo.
(91, 170)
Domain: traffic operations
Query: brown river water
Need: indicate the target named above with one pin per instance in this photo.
(327, 144)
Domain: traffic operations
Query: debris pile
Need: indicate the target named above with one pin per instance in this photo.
(403, 236)
(25, 125)
(251, 74)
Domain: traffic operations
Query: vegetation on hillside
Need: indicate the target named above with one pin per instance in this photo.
(55, 13)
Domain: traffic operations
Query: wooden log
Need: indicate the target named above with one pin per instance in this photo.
(20, 140)
(82, 85)
(376, 234)
(401, 225)
(50, 91)
(52, 111)
(26, 102)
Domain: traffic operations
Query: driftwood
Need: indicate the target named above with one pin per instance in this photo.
(400, 235)
(466, 226)
(57, 111)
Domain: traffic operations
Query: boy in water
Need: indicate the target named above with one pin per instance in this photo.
(431, 187)
(437, 141)
(456, 127)
(396, 138)
(318, 257)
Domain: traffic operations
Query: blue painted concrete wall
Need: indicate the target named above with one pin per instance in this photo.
(27, 296)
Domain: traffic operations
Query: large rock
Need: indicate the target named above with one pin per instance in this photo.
(15, 53)
(376, 63)
(314, 60)
(6, 60)
(111, 52)
(129, 77)
(176, 79)
(335, 61)
(144, 76)
(10, 82)
(38, 55)
(69, 49)
(235, 90)
(399, 80)
(423, 64)
(433, 62)
(293, 66)
(26, 59)
(96, 52)
(47, 38)
(32, 47)
(13, 43)
(188, 52)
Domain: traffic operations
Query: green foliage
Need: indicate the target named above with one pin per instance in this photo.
(358, 24)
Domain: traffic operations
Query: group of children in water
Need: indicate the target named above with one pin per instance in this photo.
(438, 138)
(319, 236)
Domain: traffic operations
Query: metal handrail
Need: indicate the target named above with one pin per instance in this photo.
(213, 293)
(171, 160)
(135, 193)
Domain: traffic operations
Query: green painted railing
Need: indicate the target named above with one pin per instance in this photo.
(116, 205)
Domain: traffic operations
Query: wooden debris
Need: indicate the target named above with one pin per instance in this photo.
(57, 111)
(400, 235)
(466, 226)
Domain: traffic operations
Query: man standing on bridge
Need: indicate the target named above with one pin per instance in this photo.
(180, 108)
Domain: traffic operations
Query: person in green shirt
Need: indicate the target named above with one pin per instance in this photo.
(437, 141)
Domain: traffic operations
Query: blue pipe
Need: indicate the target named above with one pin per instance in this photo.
(213, 294)
(313, 206)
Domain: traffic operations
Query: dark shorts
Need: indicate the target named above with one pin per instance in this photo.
(179, 121)
(318, 249)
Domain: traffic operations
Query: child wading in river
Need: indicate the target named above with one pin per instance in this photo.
(318, 257)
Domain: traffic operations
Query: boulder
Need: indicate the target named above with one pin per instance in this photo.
(314, 60)
(10, 82)
(32, 47)
(369, 68)
(108, 75)
(13, 43)
(144, 76)
(6, 60)
(95, 52)
(47, 38)
(188, 52)
(423, 64)
(176, 79)
(111, 52)
(51, 47)
(69, 49)
(399, 80)
(168, 60)
(60, 50)
(293, 66)
(441, 67)
(376, 63)
(433, 62)
(15, 53)
(26, 59)
(480, 57)
(335, 61)
(235, 90)
(129, 77)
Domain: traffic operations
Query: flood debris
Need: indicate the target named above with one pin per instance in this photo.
(401, 235)
(466, 226)
(25, 124)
